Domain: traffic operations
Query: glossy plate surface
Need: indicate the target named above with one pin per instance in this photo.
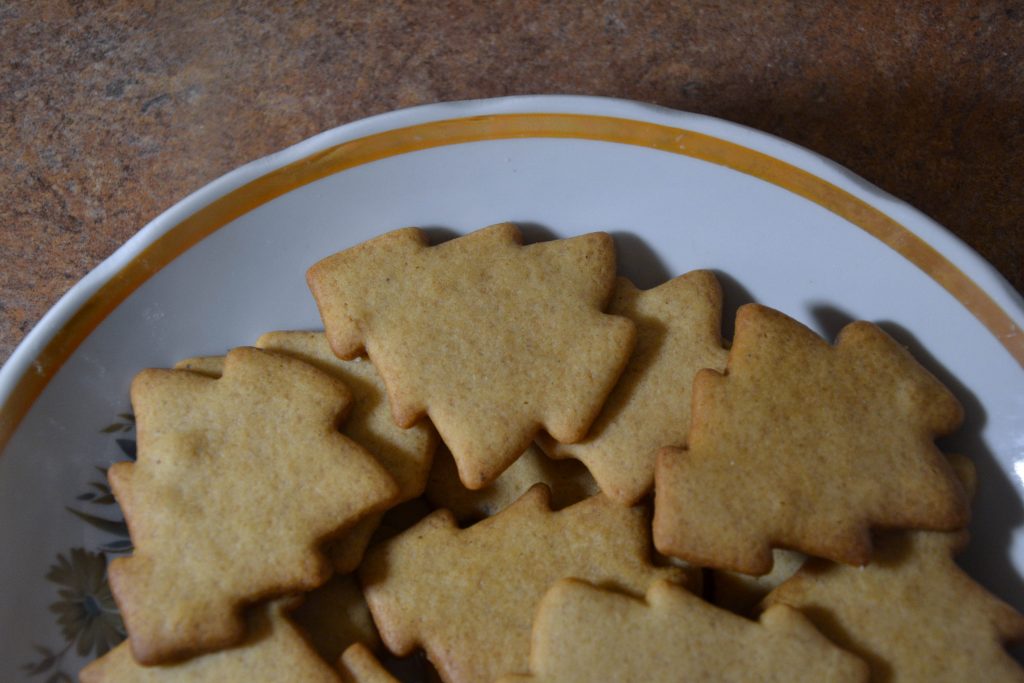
(778, 224)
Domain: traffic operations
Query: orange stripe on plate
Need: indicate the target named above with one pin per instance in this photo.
(499, 127)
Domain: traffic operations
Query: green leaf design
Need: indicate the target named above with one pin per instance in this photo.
(126, 426)
(112, 526)
(122, 546)
(128, 447)
(86, 612)
(48, 659)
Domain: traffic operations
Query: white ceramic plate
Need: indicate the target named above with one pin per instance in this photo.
(779, 224)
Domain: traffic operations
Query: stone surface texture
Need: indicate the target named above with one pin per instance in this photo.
(112, 111)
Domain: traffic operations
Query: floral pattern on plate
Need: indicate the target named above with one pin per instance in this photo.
(85, 610)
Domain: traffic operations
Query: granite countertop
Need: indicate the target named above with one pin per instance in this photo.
(112, 113)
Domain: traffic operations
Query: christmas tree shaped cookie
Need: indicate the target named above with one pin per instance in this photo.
(346, 551)
(912, 613)
(273, 651)
(806, 446)
(492, 339)
(468, 596)
(405, 453)
(238, 481)
(678, 333)
(584, 634)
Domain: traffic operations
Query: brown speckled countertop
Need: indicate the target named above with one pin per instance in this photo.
(110, 112)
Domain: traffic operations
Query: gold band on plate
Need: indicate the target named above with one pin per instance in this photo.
(497, 127)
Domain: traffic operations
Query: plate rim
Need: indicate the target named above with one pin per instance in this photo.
(26, 360)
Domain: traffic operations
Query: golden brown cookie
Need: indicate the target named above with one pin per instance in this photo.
(273, 651)
(468, 596)
(742, 593)
(492, 339)
(238, 481)
(334, 616)
(346, 551)
(807, 446)
(912, 613)
(568, 481)
(358, 665)
(405, 453)
(678, 326)
(583, 634)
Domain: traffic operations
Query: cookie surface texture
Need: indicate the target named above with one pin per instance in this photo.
(273, 651)
(237, 483)
(568, 480)
(469, 596)
(358, 665)
(678, 333)
(405, 453)
(584, 634)
(807, 446)
(346, 551)
(912, 613)
(492, 339)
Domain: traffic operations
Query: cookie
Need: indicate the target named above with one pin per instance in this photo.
(344, 552)
(335, 616)
(678, 333)
(468, 596)
(806, 446)
(492, 339)
(237, 483)
(273, 651)
(568, 481)
(405, 453)
(358, 665)
(583, 633)
(912, 613)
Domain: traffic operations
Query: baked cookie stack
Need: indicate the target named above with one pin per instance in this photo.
(507, 458)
